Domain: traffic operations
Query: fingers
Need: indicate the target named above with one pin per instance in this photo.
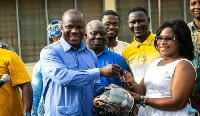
(114, 70)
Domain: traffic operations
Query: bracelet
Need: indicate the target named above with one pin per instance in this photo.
(27, 114)
(143, 101)
(132, 85)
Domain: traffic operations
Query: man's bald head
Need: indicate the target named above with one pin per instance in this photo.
(94, 23)
(72, 11)
(96, 36)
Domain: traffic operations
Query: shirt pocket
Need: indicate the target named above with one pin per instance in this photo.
(91, 64)
(67, 109)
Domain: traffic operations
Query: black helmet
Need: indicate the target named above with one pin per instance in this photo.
(113, 101)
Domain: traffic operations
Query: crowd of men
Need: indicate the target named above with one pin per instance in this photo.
(70, 72)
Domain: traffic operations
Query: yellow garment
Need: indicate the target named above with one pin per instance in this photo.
(11, 102)
(139, 55)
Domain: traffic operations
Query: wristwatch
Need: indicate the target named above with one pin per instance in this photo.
(27, 114)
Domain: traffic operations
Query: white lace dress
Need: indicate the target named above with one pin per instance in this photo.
(158, 83)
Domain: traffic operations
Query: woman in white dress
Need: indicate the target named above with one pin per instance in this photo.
(169, 81)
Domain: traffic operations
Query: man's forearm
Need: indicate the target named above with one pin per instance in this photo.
(27, 96)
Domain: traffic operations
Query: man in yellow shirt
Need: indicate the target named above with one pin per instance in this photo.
(141, 52)
(11, 103)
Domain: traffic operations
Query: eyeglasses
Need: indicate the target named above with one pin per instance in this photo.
(167, 39)
(95, 33)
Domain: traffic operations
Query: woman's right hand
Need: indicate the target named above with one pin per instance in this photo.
(127, 77)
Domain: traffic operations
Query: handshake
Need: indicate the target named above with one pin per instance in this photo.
(111, 70)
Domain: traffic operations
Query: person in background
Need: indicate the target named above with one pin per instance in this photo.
(11, 102)
(96, 40)
(141, 52)
(54, 33)
(71, 76)
(195, 32)
(169, 81)
(112, 22)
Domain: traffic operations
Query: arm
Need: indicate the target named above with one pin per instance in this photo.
(27, 96)
(181, 89)
(133, 86)
(37, 86)
(62, 73)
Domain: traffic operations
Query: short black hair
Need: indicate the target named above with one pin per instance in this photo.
(183, 33)
(138, 8)
(108, 12)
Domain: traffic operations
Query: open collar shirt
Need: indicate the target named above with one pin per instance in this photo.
(139, 55)
(108, 57)
(70, 79)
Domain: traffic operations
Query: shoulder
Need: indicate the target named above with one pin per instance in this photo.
(185, 65)
(8, 53)
(90, 52)
(122, 43)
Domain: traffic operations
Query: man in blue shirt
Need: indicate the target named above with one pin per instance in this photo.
(54, 33)
(96, 38)
(71, 76)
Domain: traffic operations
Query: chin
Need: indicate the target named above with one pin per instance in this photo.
(198, 18)
(111, 37)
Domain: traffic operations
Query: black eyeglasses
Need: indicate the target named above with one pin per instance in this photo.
(95, 33)
(167, 39)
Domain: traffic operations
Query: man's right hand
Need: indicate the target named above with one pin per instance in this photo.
(111, 70)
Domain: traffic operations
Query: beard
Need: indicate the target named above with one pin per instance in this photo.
(111, 37)
(198, 18)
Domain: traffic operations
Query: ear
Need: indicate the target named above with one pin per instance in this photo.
(61, 27)
(85, 35)
(51, 40)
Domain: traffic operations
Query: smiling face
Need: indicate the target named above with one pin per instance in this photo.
(195, 8)
(168, 48)
(73, 29)
(112, 25)
(96, 36)
(138, 23)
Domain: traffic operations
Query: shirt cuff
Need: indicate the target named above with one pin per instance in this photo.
(94, 75)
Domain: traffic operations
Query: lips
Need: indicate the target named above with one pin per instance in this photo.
(163, 48)
(111, 32)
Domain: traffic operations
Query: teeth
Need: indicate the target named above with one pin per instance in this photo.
(75, 36)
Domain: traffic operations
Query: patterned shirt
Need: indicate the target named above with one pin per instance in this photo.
(195, 32)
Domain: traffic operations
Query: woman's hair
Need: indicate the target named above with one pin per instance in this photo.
(182, 31)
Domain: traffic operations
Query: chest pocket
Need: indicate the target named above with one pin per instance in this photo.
(68, 60)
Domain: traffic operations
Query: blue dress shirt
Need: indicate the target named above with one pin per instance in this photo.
(109, 57)
(37, 87)
(70, 79)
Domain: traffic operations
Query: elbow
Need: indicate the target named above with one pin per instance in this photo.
(180, 104)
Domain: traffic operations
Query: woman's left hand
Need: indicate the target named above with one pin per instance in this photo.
(135, 96)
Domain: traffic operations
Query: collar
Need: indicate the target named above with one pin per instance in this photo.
(105, 50)
(66, 46)
(146, 42)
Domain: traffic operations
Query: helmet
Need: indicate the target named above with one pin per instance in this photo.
(113, 101)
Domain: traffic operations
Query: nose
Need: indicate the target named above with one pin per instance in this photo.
(137, 24)
(197, 5)
(74, 30)
(99, 36)
(111, 26)
(163, 41)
